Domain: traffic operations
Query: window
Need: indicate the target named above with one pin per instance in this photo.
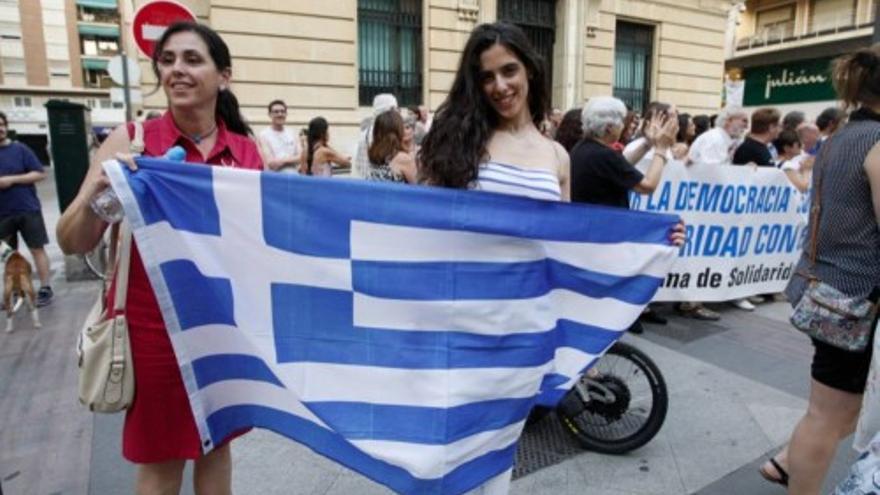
(828, 15)
(13, 66)
(390, 50)
(97, 78)
(22, 102)
(537, 18)
(633, 53)
(776, 23)
(91, 14)
(97, 46)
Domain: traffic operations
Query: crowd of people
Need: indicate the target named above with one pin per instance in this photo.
(494, 132)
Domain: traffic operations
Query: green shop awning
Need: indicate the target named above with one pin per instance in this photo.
(98, 4)
(98, 30)
(94, 63)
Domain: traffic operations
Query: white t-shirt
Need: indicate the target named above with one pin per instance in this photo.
(713, 147)
(281, 144)
(794, 163)
(647, 158)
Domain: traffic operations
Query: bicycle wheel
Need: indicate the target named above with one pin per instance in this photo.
(626, 404)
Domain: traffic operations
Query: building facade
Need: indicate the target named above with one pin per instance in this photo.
(330, 58)
(56, 49)
(783, 49)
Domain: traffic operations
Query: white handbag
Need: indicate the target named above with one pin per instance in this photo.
(106, 374)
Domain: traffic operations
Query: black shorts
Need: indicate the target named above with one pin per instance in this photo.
(839, 369)
(31, 227)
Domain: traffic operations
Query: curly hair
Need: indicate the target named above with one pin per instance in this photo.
(456, 144)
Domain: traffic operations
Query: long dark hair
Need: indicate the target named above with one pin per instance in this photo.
(387, 137)
(316, 133)
(452, 150)
(571, 129)
(227, 104)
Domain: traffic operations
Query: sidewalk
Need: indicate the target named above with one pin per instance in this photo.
(737, 387)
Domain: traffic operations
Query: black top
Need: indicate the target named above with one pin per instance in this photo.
(600, 175)
(752, 150)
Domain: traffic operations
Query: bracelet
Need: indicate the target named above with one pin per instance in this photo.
(661, 155)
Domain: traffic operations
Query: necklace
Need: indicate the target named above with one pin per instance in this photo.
(197, 138)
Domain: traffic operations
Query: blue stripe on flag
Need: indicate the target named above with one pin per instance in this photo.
(423, 425)
(324, 231)
(191, 193)
(315, 325)
(219, 367)
(447, 281)
(226, 421)
(198, 300)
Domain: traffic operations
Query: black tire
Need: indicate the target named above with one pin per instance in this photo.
(623, 425)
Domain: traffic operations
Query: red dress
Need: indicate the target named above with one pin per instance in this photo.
(159, 426)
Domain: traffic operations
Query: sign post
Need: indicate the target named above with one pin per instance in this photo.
(152, 19)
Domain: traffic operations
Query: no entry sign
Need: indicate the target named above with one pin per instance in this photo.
(151, 20)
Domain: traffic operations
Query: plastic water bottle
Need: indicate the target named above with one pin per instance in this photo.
(106, 204)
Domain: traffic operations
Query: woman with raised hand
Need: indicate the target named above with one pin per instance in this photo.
(194, 68)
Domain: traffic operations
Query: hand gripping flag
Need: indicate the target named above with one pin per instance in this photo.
(402, 331)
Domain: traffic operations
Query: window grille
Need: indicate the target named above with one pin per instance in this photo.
(633, 53)
(390, 50)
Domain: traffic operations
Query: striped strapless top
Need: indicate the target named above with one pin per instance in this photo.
(508, 179)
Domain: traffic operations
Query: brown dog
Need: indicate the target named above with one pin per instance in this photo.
(17, 282)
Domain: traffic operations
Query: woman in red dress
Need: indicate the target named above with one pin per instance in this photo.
(193, 66)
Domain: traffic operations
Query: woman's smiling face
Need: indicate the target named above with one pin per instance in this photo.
(505, 82)
(188, 74)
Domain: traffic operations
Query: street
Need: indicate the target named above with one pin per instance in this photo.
(737, 387)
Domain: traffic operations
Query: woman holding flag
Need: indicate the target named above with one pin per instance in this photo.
(193, 66)
(486, 136)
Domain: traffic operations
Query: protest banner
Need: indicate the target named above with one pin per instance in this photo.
(745, 229)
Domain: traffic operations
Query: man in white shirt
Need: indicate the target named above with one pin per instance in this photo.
(280, 145)
(716, 146)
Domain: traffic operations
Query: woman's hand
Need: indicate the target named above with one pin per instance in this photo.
(677, 235)
(680, 151)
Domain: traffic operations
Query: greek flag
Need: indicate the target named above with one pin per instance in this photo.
(402, 331)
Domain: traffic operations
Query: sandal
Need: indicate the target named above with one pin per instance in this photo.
(783, 476)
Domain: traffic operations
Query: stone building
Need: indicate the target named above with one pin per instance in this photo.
(329, 58)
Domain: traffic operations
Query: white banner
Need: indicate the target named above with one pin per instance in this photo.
(745, 230)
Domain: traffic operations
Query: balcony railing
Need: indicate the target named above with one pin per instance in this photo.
(840, 22)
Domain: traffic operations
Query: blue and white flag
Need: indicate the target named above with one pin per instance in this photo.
(402, 331)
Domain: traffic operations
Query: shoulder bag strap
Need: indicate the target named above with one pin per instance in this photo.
(122, 268)
(816, 205)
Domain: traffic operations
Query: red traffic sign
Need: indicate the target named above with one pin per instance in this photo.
(152, 19)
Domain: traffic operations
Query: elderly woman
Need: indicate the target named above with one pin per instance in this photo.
(600, 175)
